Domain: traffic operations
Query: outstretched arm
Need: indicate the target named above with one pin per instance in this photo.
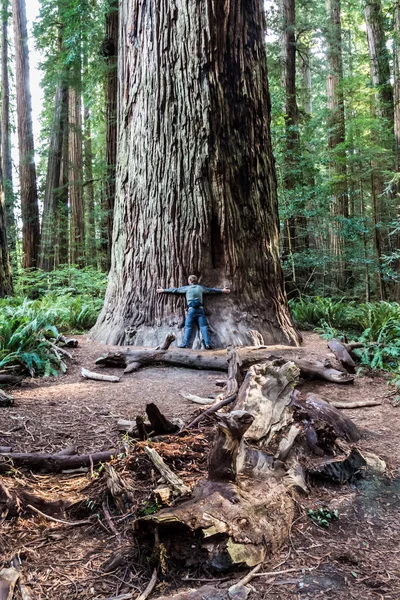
(180, 290)
(216, 290)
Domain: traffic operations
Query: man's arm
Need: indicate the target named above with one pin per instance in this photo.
(180, 290)
(207, 290)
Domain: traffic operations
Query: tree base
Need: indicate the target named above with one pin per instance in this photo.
(228, 325)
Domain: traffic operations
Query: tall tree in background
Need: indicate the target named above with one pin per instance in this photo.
(76, 199)
(27, 169)
(196, 184)
(5, 271)
(336, 129)
(6, 162)
(110, 53)
(291, 114)
(383, 107)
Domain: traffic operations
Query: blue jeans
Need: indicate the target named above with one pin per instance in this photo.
(196, 316)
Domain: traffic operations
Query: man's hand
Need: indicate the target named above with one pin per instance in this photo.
(226, 291)
(159, 290)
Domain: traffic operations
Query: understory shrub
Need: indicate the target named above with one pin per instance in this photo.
(66, 300)
(376, 324)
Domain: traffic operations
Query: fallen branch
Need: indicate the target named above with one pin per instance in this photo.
(196, 399)
(166, 472)
(59, 350)
(98, 376)
(54, 520)
(212, 410)
(356, 404)
(52, 463)
(152, 584)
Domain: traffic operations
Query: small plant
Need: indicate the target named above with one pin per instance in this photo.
(149, 508)
(323, 517)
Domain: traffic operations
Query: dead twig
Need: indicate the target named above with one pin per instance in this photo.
(54, 520)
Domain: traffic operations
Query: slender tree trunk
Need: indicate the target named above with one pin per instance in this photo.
(196, 183)
(379, 59)
(291, 113)
(336, 128)
(396, 90)
(77, 210)
(110, 52)
(5, 131)
(52, 190)
(62, 254)
(27, 169)
(5, 271)
(305, 92)
(91, 251)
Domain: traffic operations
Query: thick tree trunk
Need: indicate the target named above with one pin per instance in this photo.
(110, 53)
(396, 91)
(77, 210)
(6, 162)
(27, 169)
(336, 127)
(52, 190)
(196, 185)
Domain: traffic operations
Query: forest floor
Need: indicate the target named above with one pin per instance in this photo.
(356, 557)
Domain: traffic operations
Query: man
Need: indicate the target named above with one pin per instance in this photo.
(194, 299)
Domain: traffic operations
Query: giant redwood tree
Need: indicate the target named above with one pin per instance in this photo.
(196, 185)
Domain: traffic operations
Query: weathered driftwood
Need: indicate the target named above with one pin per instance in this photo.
(217, 360)
(356, 404)
(8, 579)
(52, 463)
(342, 355)
(225, 523)
(98, 376)
(266, 393)
(166, 472)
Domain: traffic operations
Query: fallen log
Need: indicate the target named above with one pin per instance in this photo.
(217, 360)
(342, 355)
(98, 376)
(51, 463)
(356, 404)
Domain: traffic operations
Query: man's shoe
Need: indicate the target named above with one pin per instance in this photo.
(183, 346)
(209, 347)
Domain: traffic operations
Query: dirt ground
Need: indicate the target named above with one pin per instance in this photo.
(356, 557)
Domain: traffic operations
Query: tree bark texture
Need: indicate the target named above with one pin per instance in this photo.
(336, 127)
(77, 209)
(5, 271)
(91, 251)
(110, 53)
(27, 169)
(196, 184)
(48, 246)
(62, 252)
(379, 59)
(6, 129)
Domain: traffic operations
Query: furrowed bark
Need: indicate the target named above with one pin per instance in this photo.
(196, 183)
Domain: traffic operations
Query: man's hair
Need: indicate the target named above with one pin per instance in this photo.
(192, 279)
